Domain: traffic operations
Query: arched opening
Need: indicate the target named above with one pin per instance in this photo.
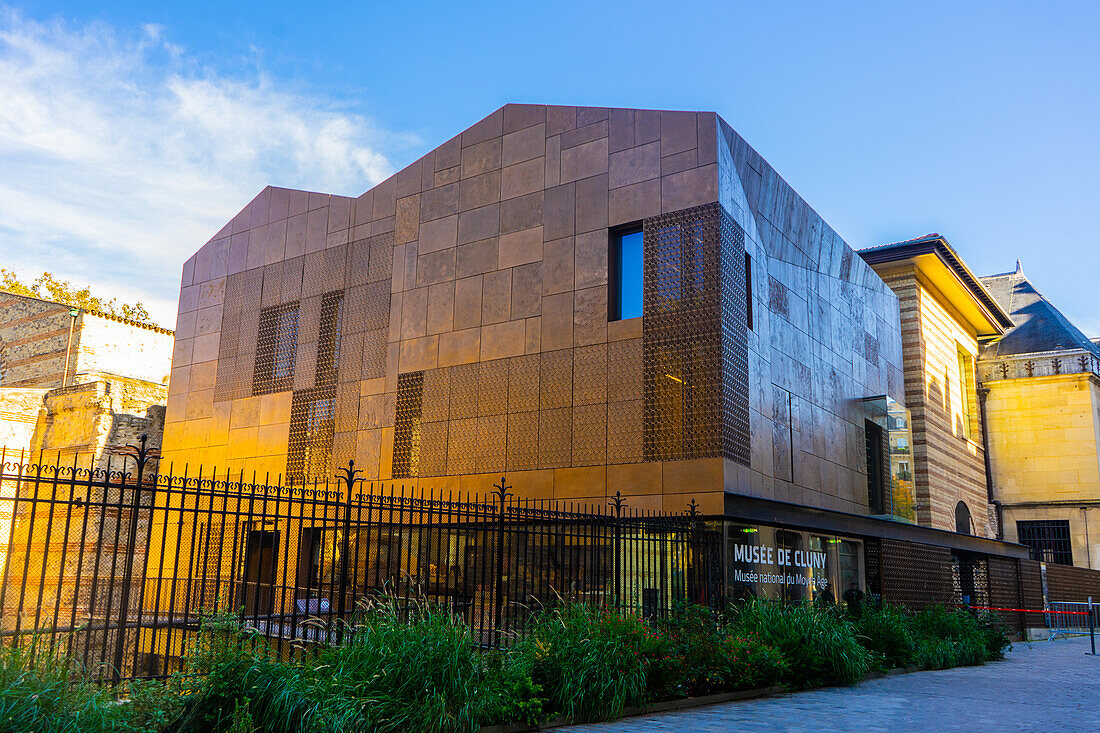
(962, 518)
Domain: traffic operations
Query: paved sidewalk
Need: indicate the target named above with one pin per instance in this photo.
(1049, 686)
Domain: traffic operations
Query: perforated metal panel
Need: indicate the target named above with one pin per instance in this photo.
(681, 334)
(694, 337)
(915, 575)
(735, 331)
(312, 428)
(237, 345)
(276, 349)
(329, 338)
(406, 438)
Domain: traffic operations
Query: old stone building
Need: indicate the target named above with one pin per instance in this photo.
(1042, 385)
(74, 386)
(46, 344)
(945, 314)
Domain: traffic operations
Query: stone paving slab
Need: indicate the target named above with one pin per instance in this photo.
(1049, 686)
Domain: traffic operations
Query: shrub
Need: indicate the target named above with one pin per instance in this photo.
(749, 662)
(956, 637)
(818, 646)
(233, 675)
(421, 674)
(699, 655)
(888, 632)
(591, 662)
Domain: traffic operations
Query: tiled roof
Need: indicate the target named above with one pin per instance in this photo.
(1039, 325)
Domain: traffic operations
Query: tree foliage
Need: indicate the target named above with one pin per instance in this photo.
(48, 287)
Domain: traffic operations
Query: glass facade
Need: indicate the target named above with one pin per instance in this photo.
(791, 565)
(897, 495)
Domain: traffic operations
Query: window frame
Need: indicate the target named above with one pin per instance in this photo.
(1040, 539)
(615, 269)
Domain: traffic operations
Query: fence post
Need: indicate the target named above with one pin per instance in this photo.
(693, 580)
(349, 479)
(501, 493)
(616, 503)
(1092, 627)
(141, 455)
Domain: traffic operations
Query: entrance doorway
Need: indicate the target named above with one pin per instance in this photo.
(260, 559)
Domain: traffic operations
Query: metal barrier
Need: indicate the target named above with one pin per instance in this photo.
(1062, 618)
(1070, 617)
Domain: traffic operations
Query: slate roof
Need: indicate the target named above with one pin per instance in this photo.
(1039, 325)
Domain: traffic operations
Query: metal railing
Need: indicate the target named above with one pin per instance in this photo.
(120, 562)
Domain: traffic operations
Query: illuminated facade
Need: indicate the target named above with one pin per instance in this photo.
(591, 301)
(1042, 405)
(945, 314)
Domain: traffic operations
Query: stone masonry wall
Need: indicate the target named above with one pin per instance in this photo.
(948, 465)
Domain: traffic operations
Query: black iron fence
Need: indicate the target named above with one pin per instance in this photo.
(119, 562)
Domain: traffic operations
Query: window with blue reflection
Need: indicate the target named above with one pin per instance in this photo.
(626, 254)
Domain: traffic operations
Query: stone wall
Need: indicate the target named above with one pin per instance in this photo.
(107, 345)
(35, 339)
(20, 410)
(1044, 446)
(948, 460)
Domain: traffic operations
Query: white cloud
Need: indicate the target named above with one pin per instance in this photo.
(120, 156)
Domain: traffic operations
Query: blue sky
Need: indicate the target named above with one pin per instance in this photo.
(133, 130)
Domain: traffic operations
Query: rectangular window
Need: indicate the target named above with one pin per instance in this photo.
(748, 290)
(626, 274)
(966, 389)
(1049, 540)
(276, 346)
(876, 467)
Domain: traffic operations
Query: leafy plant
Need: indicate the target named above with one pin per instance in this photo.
(591, 662)
(420, 674)
(818, 645)
(228, 664)
(888, 631)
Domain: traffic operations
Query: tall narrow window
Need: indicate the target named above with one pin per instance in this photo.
(876, 468)
(406, 437)
(748, 290)
(276, 346)
(966, 388)
(626, 274)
